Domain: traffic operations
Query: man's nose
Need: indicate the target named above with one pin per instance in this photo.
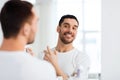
(70, 30)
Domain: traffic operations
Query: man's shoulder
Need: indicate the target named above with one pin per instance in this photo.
(38, 62)
(28, 66)
(39, 67)
(79, 53)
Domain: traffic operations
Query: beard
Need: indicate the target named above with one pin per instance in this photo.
(64, 40)
(30, 42)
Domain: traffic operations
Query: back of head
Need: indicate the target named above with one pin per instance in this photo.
(13, 15)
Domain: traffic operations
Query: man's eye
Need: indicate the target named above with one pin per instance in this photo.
(74, 28)
(65, 26)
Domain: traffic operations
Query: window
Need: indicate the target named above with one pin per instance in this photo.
(88, 13)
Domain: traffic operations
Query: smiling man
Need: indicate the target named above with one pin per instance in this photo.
(69, 63)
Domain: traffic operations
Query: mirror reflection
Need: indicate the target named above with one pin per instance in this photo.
(88, 37)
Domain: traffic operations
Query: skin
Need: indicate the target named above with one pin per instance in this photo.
(25, 36)
(67, 32)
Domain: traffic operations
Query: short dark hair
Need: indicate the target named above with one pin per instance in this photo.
(13, 15)
(67, 16)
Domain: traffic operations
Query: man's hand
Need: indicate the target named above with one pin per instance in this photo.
(51, 56)
(29, 51)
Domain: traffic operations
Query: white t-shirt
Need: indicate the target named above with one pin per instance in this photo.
(74, 63)
(19, 65)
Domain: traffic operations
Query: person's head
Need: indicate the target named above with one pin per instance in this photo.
(67, 28)
(18, 19)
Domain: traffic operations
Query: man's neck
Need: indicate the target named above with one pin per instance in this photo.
(61, 47)
(12, 45)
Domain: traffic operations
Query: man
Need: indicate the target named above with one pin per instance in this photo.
(18, 21)
(68, 62)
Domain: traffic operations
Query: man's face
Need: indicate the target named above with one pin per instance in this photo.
(68, 30)
(33, 29)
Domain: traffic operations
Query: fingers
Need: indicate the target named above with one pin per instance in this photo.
(46, 54)
(49, 51)
(55, 52)
(46, 58)
(29, 50)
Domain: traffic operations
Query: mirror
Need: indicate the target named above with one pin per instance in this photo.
(88, 13)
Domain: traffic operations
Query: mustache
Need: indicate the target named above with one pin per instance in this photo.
(67, 33)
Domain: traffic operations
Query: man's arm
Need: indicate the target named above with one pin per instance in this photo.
(51, 56)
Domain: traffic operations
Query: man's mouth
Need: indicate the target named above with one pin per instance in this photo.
(68, 35)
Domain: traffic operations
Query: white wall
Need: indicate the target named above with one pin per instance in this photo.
(110, 39)
(46, 26)
(1, 4)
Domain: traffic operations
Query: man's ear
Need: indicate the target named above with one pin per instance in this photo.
(58, 29)
(26, 29)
